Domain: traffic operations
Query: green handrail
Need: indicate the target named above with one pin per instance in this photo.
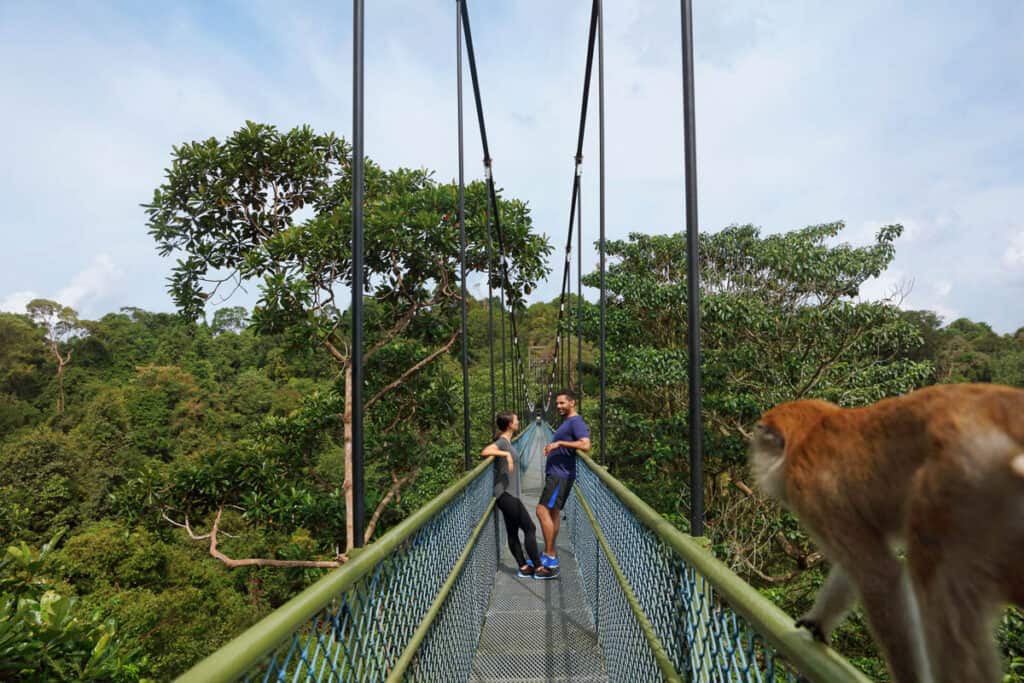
(815, 660)
(668, 671)
(247, 650)
(435, 608)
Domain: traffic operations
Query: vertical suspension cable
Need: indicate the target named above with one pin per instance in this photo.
(557, 369)
(692, 277)
(358, 511)
(579, 295)
(504, 362)
(506, 283)
(462, 239)
(600, 145)
(490, 304)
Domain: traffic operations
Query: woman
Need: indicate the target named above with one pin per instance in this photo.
(506, 488)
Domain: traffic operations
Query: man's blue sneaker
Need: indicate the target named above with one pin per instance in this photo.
(548, 561)
(529, 562)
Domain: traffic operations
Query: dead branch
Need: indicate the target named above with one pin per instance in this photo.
(399, 417)
(186, 527)
(393, 492)
(743, 487)
(774, 580)
(338, 356)
(250, 561)
(412, 371)
(803, 560)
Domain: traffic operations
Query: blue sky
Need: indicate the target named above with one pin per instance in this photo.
(870, 112)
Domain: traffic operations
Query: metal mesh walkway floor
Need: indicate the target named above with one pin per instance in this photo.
(538, 630)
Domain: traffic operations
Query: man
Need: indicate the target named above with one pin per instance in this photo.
(573, 435)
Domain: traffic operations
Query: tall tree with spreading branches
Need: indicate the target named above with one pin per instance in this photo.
(274, 209)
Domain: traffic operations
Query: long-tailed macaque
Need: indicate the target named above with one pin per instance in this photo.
(939, 471)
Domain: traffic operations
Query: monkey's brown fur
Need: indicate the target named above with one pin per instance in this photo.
(940, 471)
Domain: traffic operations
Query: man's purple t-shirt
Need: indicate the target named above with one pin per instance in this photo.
(562, 460)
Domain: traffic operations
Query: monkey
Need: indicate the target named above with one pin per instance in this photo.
(939, 473)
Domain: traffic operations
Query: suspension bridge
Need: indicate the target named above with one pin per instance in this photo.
(437, 597)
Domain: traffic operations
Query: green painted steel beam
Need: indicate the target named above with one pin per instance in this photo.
(815, 660)
(247, 650)
(668, 671)
(435, 608)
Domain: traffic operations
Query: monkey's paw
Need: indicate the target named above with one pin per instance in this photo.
(815, 629)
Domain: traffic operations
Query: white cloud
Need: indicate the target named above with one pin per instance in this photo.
(15, 302)
(896, 286)
(799, 121)
(1014, 256)
(93, 282)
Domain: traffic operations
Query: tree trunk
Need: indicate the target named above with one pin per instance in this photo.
(349, 503)
(60, 389)
(61, 362)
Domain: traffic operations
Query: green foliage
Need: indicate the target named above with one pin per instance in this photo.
(48, 636)
(169, 419)
(233, 207)
(780, 321)
(39, 485)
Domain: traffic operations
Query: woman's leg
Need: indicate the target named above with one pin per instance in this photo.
(509, 511)
(529, 533)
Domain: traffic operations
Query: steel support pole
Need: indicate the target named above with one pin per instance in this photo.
(692, 278)
(358, 485)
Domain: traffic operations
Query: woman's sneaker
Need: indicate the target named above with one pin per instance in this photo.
(525, 573)
(548, 561)
(544, 573)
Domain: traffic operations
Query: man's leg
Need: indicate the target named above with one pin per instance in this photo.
(547, 514)
(544, 515)
(556, 524)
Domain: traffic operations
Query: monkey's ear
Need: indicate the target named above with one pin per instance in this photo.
(768, 437)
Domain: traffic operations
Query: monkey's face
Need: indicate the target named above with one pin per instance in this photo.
(767, 459)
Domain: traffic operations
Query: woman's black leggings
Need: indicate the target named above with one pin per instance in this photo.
(516, 518)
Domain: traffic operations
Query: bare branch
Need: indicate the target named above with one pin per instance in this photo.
(770, 579)
(412, 371)
(393, 492)
(186, 527)
(333, 350)
(248, 562)
(395, 330)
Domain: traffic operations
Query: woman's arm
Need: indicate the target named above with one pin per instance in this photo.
(492, 449)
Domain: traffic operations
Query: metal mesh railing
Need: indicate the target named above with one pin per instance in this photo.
(665, 609)
(360, 621)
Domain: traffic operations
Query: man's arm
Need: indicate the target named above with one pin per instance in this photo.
(580, 445)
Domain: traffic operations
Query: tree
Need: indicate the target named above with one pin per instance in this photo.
(60, 324)
(230, 319)
(232, 211)
(780, 321)
(46, 636)
(21, 356)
